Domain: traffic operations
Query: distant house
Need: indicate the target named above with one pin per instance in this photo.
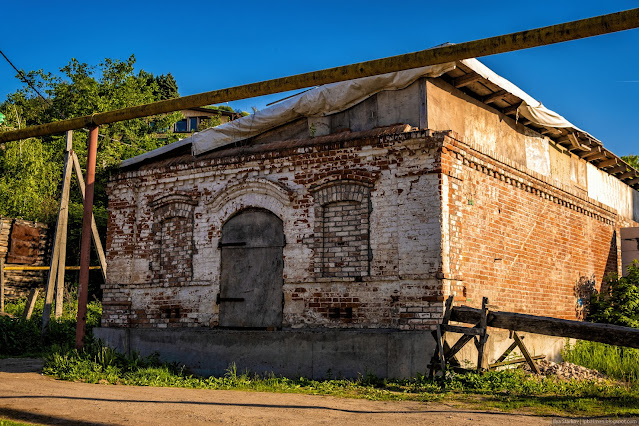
(194, 118)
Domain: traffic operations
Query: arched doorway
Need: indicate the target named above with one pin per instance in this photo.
(251, 270)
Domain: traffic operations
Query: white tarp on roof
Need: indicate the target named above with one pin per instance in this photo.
(336, 97)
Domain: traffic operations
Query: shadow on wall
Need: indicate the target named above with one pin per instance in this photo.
(584, 288)
(612, 261)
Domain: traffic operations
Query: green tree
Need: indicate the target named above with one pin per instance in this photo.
(618, 301)
(633, 160)
(31, 169)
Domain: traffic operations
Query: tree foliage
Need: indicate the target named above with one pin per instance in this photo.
(633, 160)
(31, 169)
(618, 301)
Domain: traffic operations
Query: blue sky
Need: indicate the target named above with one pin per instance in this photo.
(210, 45)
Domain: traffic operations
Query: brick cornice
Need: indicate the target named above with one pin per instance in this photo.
(521, 177)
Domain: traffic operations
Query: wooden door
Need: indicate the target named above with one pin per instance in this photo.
(251, 271)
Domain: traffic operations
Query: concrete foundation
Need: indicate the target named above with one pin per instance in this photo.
(292, 353)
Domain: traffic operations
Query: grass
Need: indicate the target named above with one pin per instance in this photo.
(504, 390)
(6, 422)
(22, 338)
(614, 361)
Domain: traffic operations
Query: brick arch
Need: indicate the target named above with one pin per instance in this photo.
(342, 190)
(249, 193)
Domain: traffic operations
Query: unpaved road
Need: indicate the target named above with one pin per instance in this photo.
(28, 396)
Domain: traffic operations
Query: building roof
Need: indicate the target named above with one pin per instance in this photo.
(469, 76)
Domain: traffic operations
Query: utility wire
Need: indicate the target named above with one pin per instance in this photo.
(24, 79)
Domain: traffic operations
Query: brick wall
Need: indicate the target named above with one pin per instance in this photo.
(19, 283)
(379, 192)
(513, 237)
(427, 215)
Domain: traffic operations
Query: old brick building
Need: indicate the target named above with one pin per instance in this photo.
(324, 233)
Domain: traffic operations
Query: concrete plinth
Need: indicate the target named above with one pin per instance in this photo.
(292, 353)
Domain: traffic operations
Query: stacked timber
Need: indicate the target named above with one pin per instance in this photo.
(23, 243)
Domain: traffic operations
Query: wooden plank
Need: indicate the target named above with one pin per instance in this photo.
(629, 173)
(604, 333)
(632, 181)
(608, 162)
(459, 344)
(482, 361)
(511, 109)
(506, 352)
(55, 256)
(500, 94)
(525, 353)
(31, 301)
(467, 79)
(64, 218)
(94, 228)
(440, 350)
(448, 310)
(514, 361)
(463, 330)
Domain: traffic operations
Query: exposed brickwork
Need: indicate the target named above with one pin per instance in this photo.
(517, 239)
(389, 180)
(434, 216)
(342, 230)
(19, 283)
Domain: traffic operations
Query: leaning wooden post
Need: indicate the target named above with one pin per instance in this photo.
(2, 285)
(64, 218)
(58, 240)
(85, 246)
(94, 227)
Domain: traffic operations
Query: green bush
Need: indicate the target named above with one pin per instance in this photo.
(20, 337)
(618, 301)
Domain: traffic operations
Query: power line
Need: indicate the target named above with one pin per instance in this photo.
(24, 79)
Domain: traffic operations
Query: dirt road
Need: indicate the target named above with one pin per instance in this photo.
(26, 395)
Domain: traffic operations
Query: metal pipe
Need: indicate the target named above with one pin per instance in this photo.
(85, 244)
(574, 30)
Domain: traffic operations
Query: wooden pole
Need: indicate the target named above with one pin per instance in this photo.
(31, 301)
(85, 246)
(2, 285)
(574, 30)
(64, 218)
(59, 240)
(595, 332)
(94, 228)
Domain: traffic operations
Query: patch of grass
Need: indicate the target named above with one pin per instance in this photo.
(614, 361)
(20, 337)
(505, 390)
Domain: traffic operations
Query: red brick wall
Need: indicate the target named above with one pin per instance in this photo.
(520, 241)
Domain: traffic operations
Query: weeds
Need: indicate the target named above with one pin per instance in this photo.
(20, 337)
(615, 361)
(507, 390)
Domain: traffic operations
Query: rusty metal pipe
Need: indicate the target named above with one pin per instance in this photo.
(85, 244)
(574, 30)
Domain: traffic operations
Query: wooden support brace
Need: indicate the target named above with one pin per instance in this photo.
(59, 240)
(94, 229)
(525, 352)
(2, 284)
(482, 363)
(31, 301)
